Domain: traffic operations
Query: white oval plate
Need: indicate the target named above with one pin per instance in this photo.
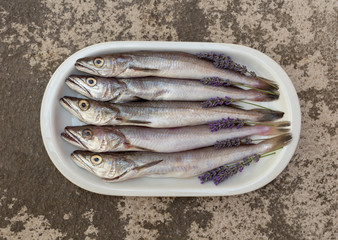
(54, 118)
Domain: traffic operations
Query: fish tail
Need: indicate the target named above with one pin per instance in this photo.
(271, 97)
(263, 96)
(277, 142)
(267, 84)
(276, 128)
(268, 115)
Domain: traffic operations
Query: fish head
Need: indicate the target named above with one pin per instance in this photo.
(91, 111)
(98, 88)
(93, 138)
(108, 166)
(104, 66)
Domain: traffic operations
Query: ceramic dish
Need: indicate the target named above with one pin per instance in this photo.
(54, 118)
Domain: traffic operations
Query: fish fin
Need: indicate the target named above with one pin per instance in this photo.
(281, 124)
(263, 96)
(137, 69)
(271, 97)
(277, 142)
(147, 165)
(268, 115)
(276, 128)
(267, 84)
(129, 146)
(133, 121)
(137, 121)
(139, 99)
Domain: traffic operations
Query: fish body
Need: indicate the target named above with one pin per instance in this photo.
(163, 64)
(158, 114)
(157, 88)
(115, 167)
(133, 138)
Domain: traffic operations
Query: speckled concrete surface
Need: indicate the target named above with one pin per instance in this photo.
(37, 202)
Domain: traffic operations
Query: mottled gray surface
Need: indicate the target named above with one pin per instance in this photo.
(37, 202)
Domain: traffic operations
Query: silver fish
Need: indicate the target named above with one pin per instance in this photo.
(158, 114)
(116, 167)
(163, 64)
(155, 88)
(132, 138)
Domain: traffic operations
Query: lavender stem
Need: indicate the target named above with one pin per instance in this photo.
(242, 85)
(258, 123)
(253, 104)
(222, 173)
(268, 154)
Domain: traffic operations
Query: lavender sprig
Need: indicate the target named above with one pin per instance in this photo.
(225, 62)
(231, 170)
(218, 175)
(216, 82)
(231, 123)
(219, 82)
(226, 123)
(214, 102)
(222, 173)
(232, 142)
(210, 175)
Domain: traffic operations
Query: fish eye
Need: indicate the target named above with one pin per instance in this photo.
(98, 62)
(87, 133)
(84, 105)
(91, 82)
(96, 159)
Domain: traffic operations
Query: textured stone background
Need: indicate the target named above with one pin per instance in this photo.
(36, 201)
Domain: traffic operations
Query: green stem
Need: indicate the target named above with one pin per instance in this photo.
(258, 123)
(238, 84)
(267, 155)
(252, 104)
(272, 151)
(258, 139)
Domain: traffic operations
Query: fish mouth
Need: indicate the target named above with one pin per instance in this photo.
(81, 66)
(73, 84)
(80, 162)
(68, 136)
(68, 106)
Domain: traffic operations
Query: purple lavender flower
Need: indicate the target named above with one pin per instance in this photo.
(222, 173)
(253, 74)
(248, 140)
(225, 62)
(246, 161)
(232, 142)
(255, 157)
(226, 123)
(216, 82)
(214, 102)
(212, 56)
(210, 175)
(244, 70)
